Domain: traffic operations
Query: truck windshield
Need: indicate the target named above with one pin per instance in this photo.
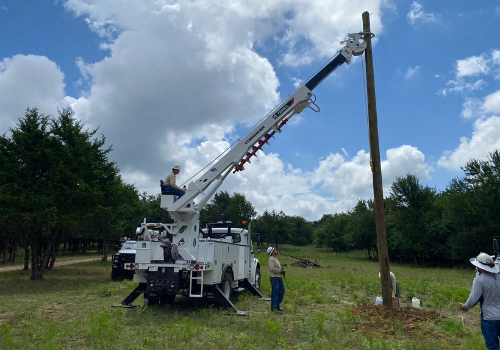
(129, 245)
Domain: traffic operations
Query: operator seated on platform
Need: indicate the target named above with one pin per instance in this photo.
(170, 185)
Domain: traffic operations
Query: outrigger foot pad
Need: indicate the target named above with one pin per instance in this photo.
(130, 306)
(237, 313)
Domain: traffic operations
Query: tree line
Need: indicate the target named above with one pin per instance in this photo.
(59, 188)
(424, 226)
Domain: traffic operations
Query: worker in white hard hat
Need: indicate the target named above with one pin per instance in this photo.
(170, 185)
(277, 285)
(486, 291)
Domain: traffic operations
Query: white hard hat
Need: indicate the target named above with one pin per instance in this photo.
(485, 262)
(176, 167)
(270, 250)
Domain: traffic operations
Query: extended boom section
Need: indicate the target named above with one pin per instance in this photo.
(270, 125)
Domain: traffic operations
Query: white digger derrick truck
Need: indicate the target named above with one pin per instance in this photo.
(183, 259)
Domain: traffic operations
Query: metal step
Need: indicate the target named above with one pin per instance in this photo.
(193, 278)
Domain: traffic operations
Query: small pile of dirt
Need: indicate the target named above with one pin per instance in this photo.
(387, 321)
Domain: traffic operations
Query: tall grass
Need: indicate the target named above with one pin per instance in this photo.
(72, 309)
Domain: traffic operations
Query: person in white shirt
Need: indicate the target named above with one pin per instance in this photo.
(486, 291)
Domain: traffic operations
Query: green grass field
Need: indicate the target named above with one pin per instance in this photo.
(72, 309)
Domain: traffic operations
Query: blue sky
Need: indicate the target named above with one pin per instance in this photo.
(176, 81)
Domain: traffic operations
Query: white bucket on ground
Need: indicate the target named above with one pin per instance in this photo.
(415, 302)
(379, 300)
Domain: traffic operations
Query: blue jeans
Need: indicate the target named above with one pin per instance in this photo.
(278, 292)
(491, 332)
(175, 190)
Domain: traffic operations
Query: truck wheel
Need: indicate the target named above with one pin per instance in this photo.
(166, 299)
(152, 300)
(257, 278)
(227, 285)
(114, 275)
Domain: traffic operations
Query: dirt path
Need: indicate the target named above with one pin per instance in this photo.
(62, 263)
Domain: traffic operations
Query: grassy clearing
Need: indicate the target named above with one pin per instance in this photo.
(71, 309)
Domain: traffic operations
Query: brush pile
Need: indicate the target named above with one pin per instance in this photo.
(303, 262)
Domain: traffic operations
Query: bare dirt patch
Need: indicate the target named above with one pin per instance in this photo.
(5, 317)
(53, 310)
(390, 321)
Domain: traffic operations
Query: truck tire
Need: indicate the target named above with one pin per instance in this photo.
(152, 300)
(114, 275)
(227, 285)
(258, 278)
(166, 299)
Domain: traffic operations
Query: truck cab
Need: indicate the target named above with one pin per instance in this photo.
(123, 261)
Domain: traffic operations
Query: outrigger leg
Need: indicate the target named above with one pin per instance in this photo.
(227, 303)
(254, 290)
(127, 302)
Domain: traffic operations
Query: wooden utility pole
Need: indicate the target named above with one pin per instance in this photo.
(378, 194)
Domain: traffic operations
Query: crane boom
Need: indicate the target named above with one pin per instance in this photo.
(247, 147)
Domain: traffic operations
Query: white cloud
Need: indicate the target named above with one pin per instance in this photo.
(495, 57)
(487, 65)
(295, 59)
(472, 108)
(296, 82)
(326, 23)
(477, 108)
(404, 160)
(27, 82)
(334, 186)
(492, 103)
(472, 66)
(185, 71)
(462, 86)
(485, 138)
(411, 72)
(163, 81)
(418, 15)
(348, 180)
